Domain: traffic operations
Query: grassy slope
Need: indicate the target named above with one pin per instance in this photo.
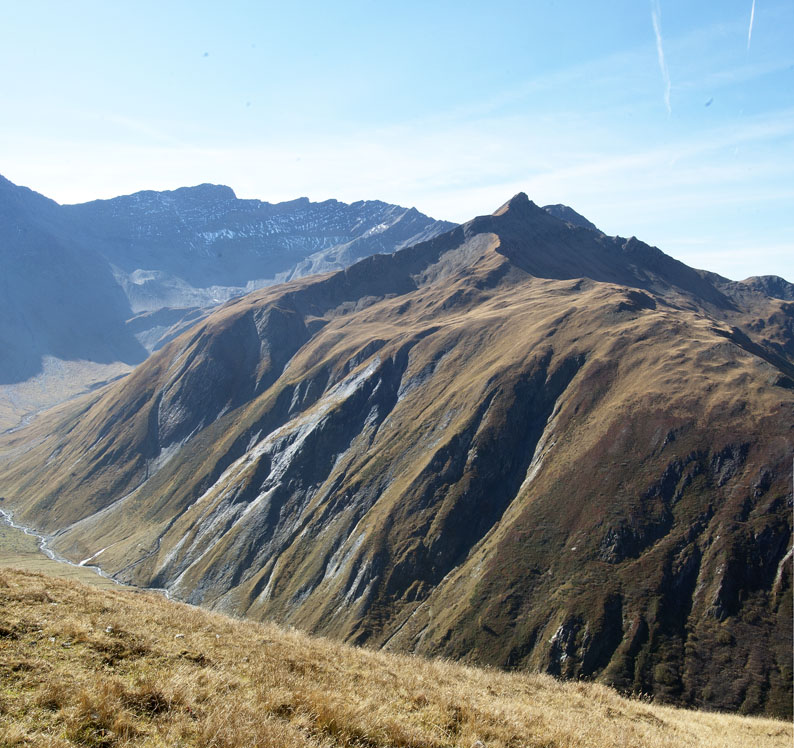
(82, 666)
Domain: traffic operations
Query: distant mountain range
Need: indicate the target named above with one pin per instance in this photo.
(521, 442)
(89, 290)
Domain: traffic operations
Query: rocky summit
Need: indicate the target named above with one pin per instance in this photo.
(521, 443)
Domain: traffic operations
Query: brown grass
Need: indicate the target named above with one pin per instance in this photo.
(88, 667)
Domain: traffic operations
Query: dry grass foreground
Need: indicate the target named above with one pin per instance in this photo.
(84, 666)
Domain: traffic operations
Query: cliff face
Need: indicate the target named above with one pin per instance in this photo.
(521, 443)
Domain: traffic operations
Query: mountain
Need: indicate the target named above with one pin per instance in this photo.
(199, 246)
(62, 314)
(57, 297)
(89, 290)
(521, 443)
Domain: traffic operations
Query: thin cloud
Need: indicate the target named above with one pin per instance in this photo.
(750, 29)
(656, 17)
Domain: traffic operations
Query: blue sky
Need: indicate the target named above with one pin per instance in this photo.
(669, 120)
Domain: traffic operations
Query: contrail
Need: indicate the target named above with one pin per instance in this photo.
(656, 14)
(750, 30)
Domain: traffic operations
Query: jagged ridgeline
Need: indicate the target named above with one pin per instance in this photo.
(522, 443)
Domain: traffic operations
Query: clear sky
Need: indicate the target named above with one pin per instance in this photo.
(671, 120)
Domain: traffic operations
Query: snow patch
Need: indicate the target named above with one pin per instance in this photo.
(91, 558)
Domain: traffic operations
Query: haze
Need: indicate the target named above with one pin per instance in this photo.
(660, 119)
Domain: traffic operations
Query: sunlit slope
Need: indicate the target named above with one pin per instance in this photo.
(80, 666)
(522, 443)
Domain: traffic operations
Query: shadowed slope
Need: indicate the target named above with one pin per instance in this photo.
(57, 298)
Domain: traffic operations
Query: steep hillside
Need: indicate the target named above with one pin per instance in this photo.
(521, 443)
(108, 668)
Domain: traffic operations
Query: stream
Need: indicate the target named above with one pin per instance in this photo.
(43, 542)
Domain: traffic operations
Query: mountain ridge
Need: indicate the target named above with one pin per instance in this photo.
(520, 442)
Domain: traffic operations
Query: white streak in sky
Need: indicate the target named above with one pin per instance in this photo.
(750, 29)
(656, 15)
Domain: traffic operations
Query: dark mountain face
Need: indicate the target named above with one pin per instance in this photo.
(74, 276)
(772, 285)
(521, 443)
(58, 298)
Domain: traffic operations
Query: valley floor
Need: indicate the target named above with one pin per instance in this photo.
(22, 550)
(59, 382)
(119, 667)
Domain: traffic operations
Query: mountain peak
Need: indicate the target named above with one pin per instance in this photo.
(771, 285)
(207, 191)
(515, 205)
